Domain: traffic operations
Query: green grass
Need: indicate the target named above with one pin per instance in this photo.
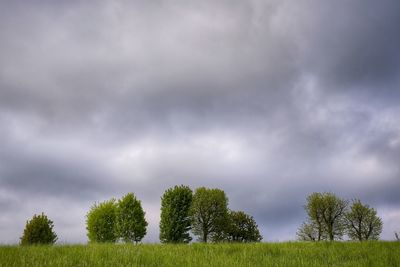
(383, 254)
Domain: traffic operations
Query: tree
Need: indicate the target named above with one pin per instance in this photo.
(100, 222)
(242, 228)
(333, 216)
(363, 222)
(209, 214)
(130, 224)
(397, 236)
(326, 215)
(175, 220)
(315, 211)
(308, 231)
(39, 230)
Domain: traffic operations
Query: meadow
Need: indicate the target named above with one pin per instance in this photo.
(383, 254)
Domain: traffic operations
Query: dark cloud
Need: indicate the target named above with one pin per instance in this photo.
(270, 101)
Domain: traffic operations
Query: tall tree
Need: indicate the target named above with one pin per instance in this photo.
(100, 222)
(209, 214)
(39, 230)
(363, 222)
(242, 228)
(175, 220)
(130, 224)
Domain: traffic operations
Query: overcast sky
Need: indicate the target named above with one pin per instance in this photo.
(267, 100)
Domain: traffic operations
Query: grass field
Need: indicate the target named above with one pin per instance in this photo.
(383, 254)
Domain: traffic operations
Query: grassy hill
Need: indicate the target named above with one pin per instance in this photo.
(383, 254)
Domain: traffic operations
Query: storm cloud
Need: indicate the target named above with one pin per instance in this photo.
(268, 100)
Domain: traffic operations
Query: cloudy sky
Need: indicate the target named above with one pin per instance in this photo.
(268, 100)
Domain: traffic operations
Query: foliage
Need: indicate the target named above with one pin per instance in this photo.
(363, 222)
(333, 216)
(209, 214)
(100, 222)
(326, 213)
(290, 254)
(39, 230)
(130, 223)
(175, 220)
(242, 228)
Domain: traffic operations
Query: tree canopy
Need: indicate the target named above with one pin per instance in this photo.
(326, 213)
(175, 220)
(242, 228)
(363, 222)
(100, 222)
(131, 224)
(209, 214)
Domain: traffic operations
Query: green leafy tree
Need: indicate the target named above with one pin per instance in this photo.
(131, 224)
(100, 222)
(175, 220)
(334, 215)
(39, 230)
(242, 228)
(315, 211)
(209, 214)
(363, 222)
(326, 214)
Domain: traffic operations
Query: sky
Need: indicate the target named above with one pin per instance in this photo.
(267, 100)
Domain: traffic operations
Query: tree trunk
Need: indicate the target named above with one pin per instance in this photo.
(204, 237)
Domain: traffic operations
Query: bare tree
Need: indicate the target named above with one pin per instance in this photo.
(309, 231)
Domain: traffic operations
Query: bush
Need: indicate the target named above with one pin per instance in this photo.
(39, 230)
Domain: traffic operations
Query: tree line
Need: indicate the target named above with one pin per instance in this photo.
(184, 213)
(204, 214)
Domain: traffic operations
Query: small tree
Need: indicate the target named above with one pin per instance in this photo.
(100, 222)
(397, 236)
(315, 211)
(131, 223)
(209, 214)
(363, 222)
(242, 228)
(175, 218)
(309, 232)
(39, 230)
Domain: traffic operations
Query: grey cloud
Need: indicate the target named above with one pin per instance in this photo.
(268, 100)
(352, 44)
